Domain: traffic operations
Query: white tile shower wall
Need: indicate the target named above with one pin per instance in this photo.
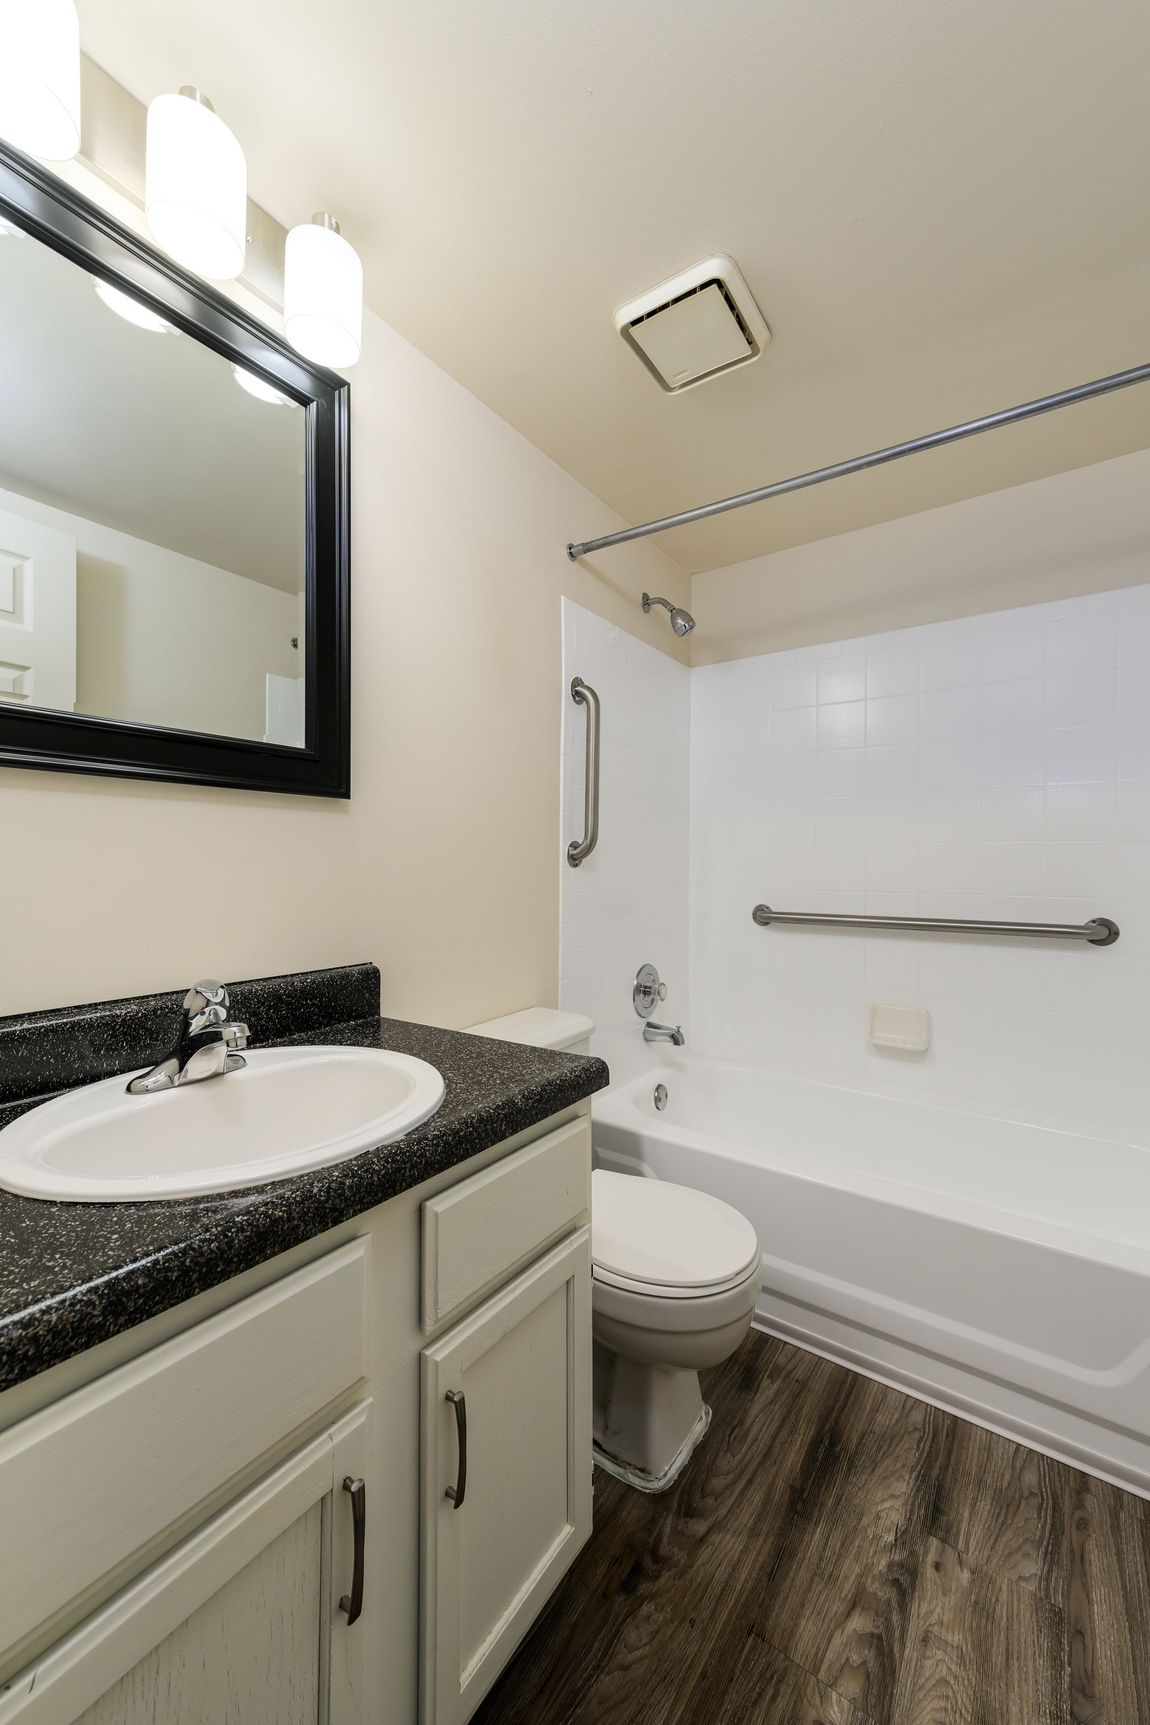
(995, 767)
(627, 904)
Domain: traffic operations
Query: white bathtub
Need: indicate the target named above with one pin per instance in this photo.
(998, 1269)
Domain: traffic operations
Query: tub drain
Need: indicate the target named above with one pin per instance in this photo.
(660, 1096)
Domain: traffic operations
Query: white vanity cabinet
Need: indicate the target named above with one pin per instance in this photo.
(179, 1509)
(189, 1554)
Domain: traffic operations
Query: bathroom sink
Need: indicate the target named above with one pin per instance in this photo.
(287, 1110)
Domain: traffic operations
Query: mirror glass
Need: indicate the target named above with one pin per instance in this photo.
(152, 515)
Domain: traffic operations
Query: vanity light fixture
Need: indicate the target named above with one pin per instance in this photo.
(257, 387)
(40, 77)
(133, 311)
(323, 293)
(196, 185)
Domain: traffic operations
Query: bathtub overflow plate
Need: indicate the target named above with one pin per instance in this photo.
(660, 1097)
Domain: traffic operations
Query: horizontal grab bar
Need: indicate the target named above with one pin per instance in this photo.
(1099, 931)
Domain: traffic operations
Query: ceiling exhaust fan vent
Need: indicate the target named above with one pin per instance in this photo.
(695, 326)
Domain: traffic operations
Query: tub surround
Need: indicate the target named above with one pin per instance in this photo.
(73, 1275)
(996, 767)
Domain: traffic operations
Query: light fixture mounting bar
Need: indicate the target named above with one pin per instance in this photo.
(877, 458)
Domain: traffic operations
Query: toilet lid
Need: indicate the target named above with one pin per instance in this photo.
(665, 1236)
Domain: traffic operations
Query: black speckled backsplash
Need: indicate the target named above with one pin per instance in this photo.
(45, 1052)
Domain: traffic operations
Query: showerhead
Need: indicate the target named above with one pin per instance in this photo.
(682, 621)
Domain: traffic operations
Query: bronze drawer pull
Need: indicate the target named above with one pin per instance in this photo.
(458, 1491)
(352, 1602)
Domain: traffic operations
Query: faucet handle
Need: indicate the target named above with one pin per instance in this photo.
(236, 1035)
(648, 991)
(206, 1006)
(206, 993)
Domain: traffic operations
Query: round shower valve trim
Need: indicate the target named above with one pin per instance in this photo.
(648, 990)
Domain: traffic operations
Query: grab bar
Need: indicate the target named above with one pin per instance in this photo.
(1099, 931)
(585, 695)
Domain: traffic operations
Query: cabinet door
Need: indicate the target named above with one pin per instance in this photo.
(496, 1543)
(239, 1625)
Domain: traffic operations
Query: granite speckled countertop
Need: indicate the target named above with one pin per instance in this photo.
(71, 1275)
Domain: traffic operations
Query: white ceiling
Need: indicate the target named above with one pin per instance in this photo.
(942, 209)
(145, 432)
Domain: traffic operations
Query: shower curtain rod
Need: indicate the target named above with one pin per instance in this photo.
(878, 458)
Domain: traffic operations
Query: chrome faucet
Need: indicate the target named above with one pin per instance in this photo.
(672, 1033)
(207, 1043)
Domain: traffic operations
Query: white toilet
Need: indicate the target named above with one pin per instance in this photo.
(676, 1276)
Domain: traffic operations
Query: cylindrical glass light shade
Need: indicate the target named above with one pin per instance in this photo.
(40, 77)
(323, 293)
(196, 186)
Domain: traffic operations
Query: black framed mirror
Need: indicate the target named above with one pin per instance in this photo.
(174, 487)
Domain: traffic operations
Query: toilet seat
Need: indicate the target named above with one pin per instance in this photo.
(666, 1242)
(663, 1291)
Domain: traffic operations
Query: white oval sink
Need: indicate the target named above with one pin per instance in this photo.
(287, 1110)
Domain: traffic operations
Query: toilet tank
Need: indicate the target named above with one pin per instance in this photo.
(540, 1027)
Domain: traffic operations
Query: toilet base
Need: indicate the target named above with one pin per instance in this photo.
(648, 1419)
(653, 1483)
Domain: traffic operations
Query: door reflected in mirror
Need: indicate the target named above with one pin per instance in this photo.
(153, 506)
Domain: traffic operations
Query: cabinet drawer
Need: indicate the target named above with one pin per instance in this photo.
(95, 1477)
(479, 1233)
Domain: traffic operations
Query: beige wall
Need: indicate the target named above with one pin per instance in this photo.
(1079, 532)
(442, 868)
(163, 639)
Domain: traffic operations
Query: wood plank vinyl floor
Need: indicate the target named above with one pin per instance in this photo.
(840, 1554)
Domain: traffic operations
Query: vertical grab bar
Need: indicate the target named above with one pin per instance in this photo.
(585, 695)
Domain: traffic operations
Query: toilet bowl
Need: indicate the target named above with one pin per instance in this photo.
(675, 1279)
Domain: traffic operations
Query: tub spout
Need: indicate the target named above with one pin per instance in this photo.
(672, 1033)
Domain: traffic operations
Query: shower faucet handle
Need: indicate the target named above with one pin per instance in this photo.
(648, 990)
